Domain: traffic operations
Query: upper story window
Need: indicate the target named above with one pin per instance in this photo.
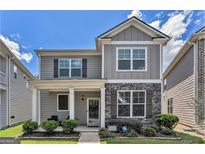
(15, 71)
(70, 67)
(131, 59)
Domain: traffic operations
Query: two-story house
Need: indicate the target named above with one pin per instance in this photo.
(121, 78)
(15, 94)
(184, 80)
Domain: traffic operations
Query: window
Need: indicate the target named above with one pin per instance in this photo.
(170, 105)
(70, 67)
(138, 103)
(124, 59)
(131, 59)
(15, 71)
(62, 102)
(131, 103)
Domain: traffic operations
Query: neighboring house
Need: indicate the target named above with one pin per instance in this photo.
(15, 95)
(121, 78)
(184, 81)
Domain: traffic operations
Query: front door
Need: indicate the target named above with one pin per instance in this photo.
(93, 111)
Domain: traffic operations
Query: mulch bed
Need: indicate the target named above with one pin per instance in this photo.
(53, 135)
(119, 135)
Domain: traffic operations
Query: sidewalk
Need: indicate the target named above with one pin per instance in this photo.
(89, 138)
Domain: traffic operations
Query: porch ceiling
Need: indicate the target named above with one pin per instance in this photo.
(66, 84)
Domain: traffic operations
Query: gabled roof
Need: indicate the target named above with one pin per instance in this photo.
(137, 22)
(185, 48)
(17, 62)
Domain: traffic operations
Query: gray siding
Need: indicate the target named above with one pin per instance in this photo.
(153, 63)
(182, 70)
(20, 97)
(49, 105)
(131, 34)
(93, 66)
(3, 109)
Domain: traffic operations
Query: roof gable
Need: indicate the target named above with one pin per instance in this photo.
(149, 30)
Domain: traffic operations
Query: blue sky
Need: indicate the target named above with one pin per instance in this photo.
(29, 30)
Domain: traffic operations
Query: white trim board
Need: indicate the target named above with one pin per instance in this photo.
(134, 81)
(132, 42)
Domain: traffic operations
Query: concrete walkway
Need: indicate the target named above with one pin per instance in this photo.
(89, 138)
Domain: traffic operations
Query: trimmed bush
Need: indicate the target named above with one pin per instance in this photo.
(69, 125)
(154, 127)
(29, 126)
(149, 132)
(131, 124)
(132, 133)
(167, 131)
(50, 125)
(166, 120)
(105, 133)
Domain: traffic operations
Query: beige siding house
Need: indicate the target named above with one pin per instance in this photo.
(185, 82)
(121, 78)
(15, 94)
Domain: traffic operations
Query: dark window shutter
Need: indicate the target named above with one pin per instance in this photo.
(84, 68)
(55, 74)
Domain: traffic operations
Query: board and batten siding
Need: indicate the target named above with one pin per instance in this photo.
(93, 66)
(20, 97)
(183, 69)
(132, 34)
(3, 109)
(182, 94)
(153, 63)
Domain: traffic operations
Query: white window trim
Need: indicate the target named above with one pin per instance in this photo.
(131, 104)
(131, 61)
(58, 102)
(70, 68)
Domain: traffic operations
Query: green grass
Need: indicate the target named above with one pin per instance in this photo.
(185, 139)
(13, 131)
(51, 141)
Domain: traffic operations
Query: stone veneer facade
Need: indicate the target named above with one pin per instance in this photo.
(153, 98)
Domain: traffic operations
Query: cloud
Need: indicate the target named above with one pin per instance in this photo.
(136, 13)
(15, 48)
(197, 22)
(15, 36)
(175, 26)
(155, 24)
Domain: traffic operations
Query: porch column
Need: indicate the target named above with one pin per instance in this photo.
(71, 103)
(102, 105)
(34, 104)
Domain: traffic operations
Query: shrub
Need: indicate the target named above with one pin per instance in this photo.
(50, 125)
(29, 126)
(132, 133)
(105, 133)
(131, 124)
(154, 127)
(149, 132)
(167, 131)
(166, 120)
(69, 125)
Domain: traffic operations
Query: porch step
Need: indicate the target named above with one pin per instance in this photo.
(86, 129)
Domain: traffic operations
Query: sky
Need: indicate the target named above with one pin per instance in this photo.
(25, 31)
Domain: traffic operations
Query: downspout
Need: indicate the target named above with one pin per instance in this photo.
(8, 92)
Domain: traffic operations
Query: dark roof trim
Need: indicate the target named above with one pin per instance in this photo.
(137, 20)
(200, 29)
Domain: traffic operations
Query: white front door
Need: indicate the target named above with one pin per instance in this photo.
(93, 116)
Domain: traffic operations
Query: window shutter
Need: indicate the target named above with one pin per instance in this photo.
(55, 74)
(84, 68)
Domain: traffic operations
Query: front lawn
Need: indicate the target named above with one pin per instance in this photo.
(185, 139)
(13, 131)
(50, 141)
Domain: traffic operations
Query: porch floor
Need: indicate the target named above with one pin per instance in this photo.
(77, 129)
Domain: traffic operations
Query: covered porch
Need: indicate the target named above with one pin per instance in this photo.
(82, 100)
